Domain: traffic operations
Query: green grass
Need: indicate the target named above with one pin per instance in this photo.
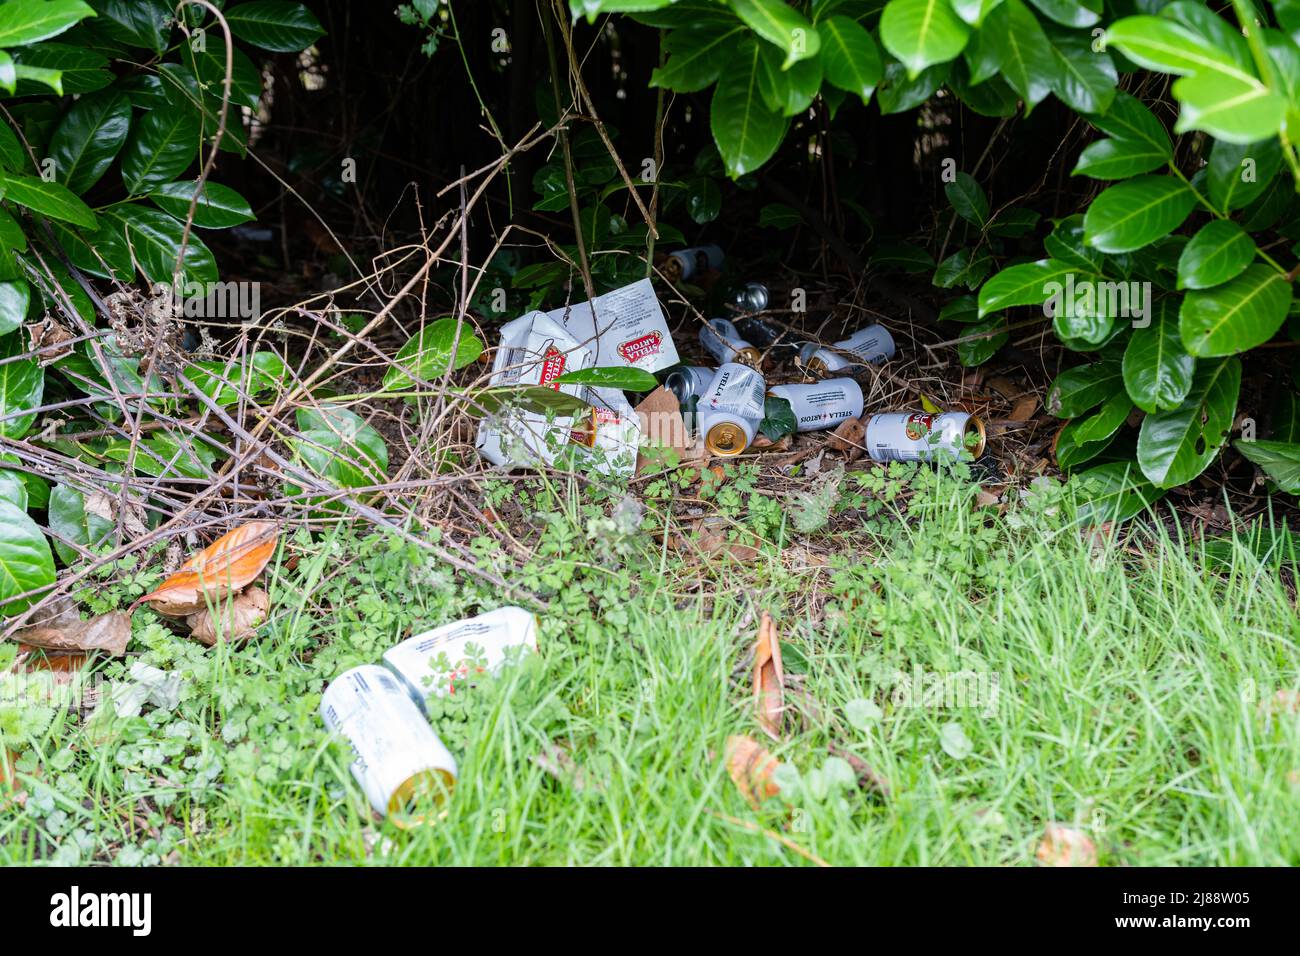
(1116, 686)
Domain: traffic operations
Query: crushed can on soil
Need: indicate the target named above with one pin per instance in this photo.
(731, 409)
(399, 762)
(921, 436)
(432, 662)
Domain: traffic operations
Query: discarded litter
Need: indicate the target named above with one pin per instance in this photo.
(627, 328)
(689, 382)
(724, 342)
(689, 263)
(399, 761)
(921, 436)
(868, 346)
(477, 645)
(822, 404)
(750, 297)
(732, 409)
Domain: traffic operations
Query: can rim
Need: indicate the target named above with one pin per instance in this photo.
(979, 429)
(434, 782)
(712, 443)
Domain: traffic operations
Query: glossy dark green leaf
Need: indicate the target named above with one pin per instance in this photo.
(145, 23)
(1030, 283)
(209, 65)
(28, 21)
(1128, 119)
(1084, 79)
(102, 252)
(1279, 460)
(76, 526)
(80, 70)
(1157, 369)
(1065, 244)
(849, 57)
(1118, 159)
(921, 33)
(15, 297)
(899, 93)
(22, 383)
(428, 353)
(1133, 214)
(48, 199)
(780, 24)
(1237, 175)
(154, 239)
(1028, 62)
(696, 56)
(1220, 251)
(219, 207)
(968, 199)
(274, 25)
(26, 563)
(1100, 426)
(978, 351)
(162, 145)
(623, 377)
(89, 137)
(1177, 445)
(1070, 13)
(1236, 316)
(746, 131)
(229, 382)
(1078, 389)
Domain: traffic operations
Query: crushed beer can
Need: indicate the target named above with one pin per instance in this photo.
(721, 339)
(921, 436)
(398, 761)
(867, 346)
(692, 262)
(824, 404)
(732, 408)
(430, 663)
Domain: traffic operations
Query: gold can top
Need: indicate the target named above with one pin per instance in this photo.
(725, 438)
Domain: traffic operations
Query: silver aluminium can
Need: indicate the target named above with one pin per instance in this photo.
(732, 408)
(399, 762)
(921, 436)
(867, 346)
(689, 381)
(721, 339)
(822, 404)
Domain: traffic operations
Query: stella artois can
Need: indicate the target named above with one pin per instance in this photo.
(731, 409)
(432, 663)
(868, 346)
(920, 436)
(399, 762)
(721, 340)
(822, 404)
(689, 381)
(688, 263)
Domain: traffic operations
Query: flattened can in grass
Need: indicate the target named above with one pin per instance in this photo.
(921, 436)
(432, 662)
(400, 763)
(823, 404)
(731, 409)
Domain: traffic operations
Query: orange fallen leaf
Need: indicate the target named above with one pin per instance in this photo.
(769, 678)
(1065, 846)
(751, 768)
(232, 620)
(231, 562)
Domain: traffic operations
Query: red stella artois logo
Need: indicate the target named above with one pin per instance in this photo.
(552, 367)
(636, 349)
(918, 426)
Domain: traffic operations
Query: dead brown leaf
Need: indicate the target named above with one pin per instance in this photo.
(769, 678)
(230, 563)
(868, 777)
(1065, 846)
(109, 633)
(232, 620)
(849, 437)
(751, 768)
(1024, 408)
(662, 424)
